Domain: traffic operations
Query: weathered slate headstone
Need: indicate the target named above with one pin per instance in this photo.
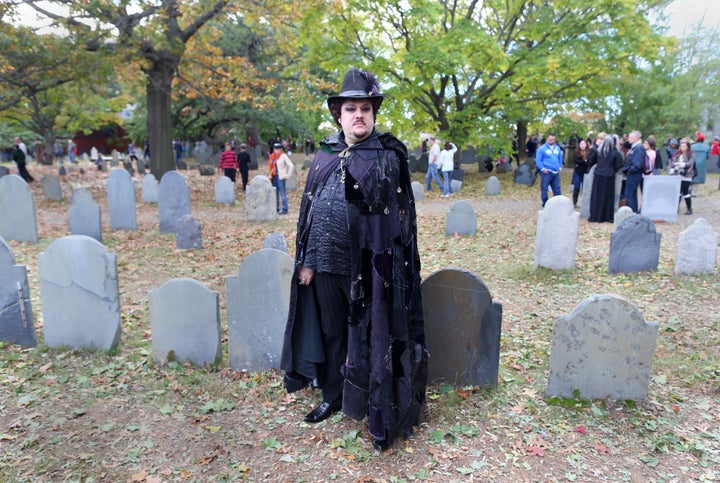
(181, 165)
(588, 180)
(413, 163)
(697, 249)
(121, 201)
(185, 322)
(114, 158)
(492, 186)
(224, 191)
(712, 164)
(62, 171)
(206, 170)
(16, 317)
(257, 306)
(603, 349)
(173, 200)
(422, 163)
(51, 187)
(467, 155)
(503, 168)
(4, 171)
(17, 210)
(557, 231)
(80, 295)
(141, 165)
(276, 241)
(660, 198)
(634, 246)
(85, 215)
(418, 190)
(260, 199)
(462, 328)
(621, 214)
(461, 219)
(188, 233)
(149, 189)
(524, 175)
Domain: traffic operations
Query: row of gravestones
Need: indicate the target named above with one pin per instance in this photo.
(18, 218)
(602, 349)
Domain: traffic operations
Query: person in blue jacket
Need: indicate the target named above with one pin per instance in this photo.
(549, 162)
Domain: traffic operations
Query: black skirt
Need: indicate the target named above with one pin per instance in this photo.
(602, 199)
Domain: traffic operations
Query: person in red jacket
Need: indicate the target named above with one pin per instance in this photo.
(229, 163)
(715, 149)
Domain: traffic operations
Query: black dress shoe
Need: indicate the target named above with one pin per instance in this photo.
(322, 412)
(380, 445)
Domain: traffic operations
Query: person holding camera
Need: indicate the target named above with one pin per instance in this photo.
(683, 164)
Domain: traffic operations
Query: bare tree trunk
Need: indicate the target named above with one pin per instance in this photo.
(159, 118)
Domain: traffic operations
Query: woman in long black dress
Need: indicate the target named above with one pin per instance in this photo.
(602, 199)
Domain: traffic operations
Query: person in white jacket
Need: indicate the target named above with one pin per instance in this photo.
(285, 168)
(446, 160)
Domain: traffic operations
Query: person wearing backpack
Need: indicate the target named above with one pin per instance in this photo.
(20, 159)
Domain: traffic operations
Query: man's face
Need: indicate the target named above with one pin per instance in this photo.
(633, 138)
(357, 120)
(550, 140)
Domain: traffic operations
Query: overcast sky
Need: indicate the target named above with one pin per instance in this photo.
(686, 14)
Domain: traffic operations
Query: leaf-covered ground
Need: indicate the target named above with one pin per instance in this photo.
(84, 416)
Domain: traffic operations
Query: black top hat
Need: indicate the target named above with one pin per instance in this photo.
(277, 145)
(358, 84)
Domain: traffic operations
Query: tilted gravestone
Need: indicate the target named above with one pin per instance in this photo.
(85, 215)
(80, 295)
(621, 214)
(556, 236)
(276, 241)
(4, 171)
(586, 197)
(121, 200)
(461, 219)
(462, 328)
(257, 306)
(603, 349)
(149, 189)
(634, 246)
(492, 186)
(51, 187)
(660, 196)
(697, 249)
(188, 233)
(524, 175)
(173, 200)
(224, 191)
(17, 210)
(16, 317)
(260, 199)
(418, 190)
(185, 322)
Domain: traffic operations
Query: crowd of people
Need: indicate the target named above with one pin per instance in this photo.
(629, 155)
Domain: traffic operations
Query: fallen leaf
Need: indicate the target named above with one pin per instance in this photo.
(139, 476)
(580, 429)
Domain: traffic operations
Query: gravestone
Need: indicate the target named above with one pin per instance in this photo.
(664, 157)
(467, 155)
(16, 317)
(525, 175)
(121, 201)
(413, 164)
(306, 164)
(492, 186)
(149, 189)
(418, 190)
(62, 171)
(51, 187)
(462, 328)
(712, 164)
(603, 349)
(291, 182)
(619, 178)
(697, 249)
(258, 299)
(185, 322)
(206, 170)
(422, 163)
(260, 199)
(276, 241)
(461, 219)
(634, 246)
(203, 154)
(141, 165)
(188, 233)
(114, 158)
(80, 295)
(456, 180)
(17, 210)
(127, 165)
(588, 180)
(622, 213)
(503, 168)
(255, 155)
(181, 165)
(660, 198)
(224, 191)
(4, 171)
(85, 215)
(173, 200)
(485, 164)
(557, 231)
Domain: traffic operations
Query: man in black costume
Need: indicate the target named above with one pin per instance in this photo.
(355, 327)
